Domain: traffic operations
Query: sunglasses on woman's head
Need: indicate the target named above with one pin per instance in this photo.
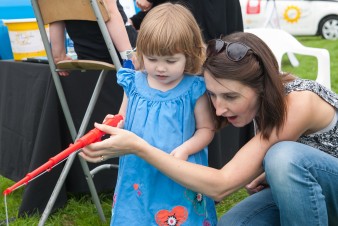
(235, 51)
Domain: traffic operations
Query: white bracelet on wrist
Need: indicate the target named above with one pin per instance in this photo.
(128, 54)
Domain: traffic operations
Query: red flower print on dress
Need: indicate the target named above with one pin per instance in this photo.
(137, 189)
(176, 217)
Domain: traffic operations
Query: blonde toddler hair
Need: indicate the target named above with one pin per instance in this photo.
(169, 29)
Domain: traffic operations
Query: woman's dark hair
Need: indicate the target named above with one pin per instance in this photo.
(258, 70)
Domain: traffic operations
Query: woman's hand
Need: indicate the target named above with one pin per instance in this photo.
(61, 58)
(121, 142)
(257, 184)
(144, 5)
(135, 61)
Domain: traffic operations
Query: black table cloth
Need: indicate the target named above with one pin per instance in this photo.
(33, 128)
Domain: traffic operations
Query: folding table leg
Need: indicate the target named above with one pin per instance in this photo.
(84, 164)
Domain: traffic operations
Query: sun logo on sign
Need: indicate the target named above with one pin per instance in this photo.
(292, 14)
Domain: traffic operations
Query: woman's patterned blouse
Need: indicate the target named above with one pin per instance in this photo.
(326, 141)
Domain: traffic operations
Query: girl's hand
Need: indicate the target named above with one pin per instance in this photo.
(179, 153)
(119, 125)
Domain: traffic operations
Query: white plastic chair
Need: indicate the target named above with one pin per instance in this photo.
(281, 42)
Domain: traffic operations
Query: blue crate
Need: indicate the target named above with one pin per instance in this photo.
(5, 47)
(16, 9)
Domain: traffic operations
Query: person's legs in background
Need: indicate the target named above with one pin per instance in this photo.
(304, 183)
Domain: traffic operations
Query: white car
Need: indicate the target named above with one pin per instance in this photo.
(298, 17)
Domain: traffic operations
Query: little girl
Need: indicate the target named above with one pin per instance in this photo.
(166, 104)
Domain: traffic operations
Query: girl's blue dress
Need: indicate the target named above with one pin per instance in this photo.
(143, 195)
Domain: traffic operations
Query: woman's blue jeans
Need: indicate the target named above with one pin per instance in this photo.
(303, 190)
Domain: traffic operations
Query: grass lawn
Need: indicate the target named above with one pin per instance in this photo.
(80, 210)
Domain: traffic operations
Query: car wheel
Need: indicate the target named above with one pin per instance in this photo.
(328, 27)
